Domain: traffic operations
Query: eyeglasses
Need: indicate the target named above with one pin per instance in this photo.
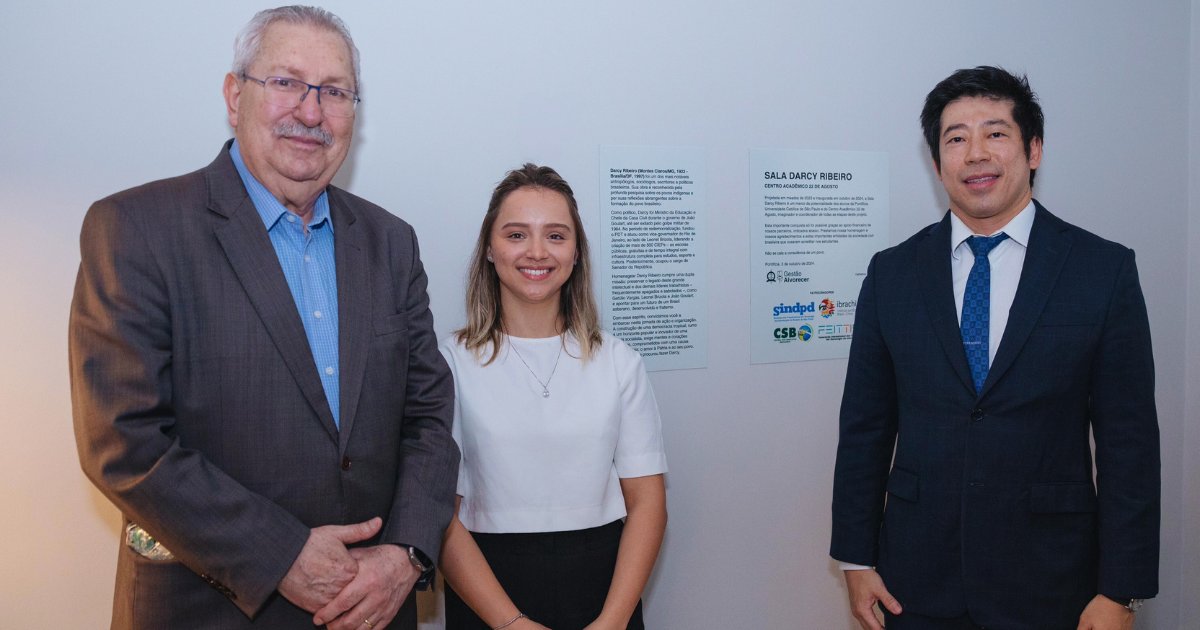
(289, 92)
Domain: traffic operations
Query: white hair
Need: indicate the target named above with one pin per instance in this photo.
(248, 44)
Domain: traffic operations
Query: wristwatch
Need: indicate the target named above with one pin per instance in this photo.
(1132, 605)
(423, 566)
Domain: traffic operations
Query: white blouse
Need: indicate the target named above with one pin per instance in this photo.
(541, 464)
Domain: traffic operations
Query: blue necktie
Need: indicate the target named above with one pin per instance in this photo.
(976, 303)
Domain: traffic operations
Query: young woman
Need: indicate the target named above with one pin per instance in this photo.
(559, 431)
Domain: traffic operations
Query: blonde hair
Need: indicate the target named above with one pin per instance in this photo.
(577, 306)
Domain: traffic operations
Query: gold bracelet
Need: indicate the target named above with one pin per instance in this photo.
(510, 622)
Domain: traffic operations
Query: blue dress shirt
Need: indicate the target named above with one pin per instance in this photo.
(306, 256)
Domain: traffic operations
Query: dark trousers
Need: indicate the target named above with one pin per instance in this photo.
(559, 579)
(913, 621)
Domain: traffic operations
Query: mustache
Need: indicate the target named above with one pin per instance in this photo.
(293, 129)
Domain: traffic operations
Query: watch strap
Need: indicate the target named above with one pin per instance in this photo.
(1132, 604)
(424, 567)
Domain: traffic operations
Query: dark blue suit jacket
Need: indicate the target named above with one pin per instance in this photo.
(991, 507)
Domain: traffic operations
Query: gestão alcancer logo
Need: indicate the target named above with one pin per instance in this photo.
(827, 308)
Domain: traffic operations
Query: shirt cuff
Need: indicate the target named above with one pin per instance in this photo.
(849, 566)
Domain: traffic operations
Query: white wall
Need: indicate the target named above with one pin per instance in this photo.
(121, 93)
(1190, 512)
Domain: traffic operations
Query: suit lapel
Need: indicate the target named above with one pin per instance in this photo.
(250, 253)
(1044, 258)
(354, 306)
(937, 287)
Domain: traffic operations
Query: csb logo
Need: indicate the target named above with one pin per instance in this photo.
(827, 308)
(786, 334)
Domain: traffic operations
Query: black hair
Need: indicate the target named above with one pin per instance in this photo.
(989, 82)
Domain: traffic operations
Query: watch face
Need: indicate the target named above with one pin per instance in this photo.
(416, 561)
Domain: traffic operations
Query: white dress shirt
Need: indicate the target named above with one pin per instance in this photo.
(1006, 259)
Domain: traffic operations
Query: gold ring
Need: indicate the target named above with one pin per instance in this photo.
(368, 622)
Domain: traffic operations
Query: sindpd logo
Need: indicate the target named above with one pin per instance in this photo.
(793, 312)
(827, 308)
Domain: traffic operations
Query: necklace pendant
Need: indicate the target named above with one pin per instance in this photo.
(545, 384)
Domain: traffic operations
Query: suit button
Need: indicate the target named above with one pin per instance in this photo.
(977, 415)
(346, 463)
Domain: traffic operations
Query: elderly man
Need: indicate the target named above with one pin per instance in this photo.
(986, 349)
(255, 376)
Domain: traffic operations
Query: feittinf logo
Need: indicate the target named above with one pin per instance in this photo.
(827, 308)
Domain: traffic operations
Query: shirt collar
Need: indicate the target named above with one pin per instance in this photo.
(268, 207)
(1018, 229)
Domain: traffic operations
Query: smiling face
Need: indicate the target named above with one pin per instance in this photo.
(983, 163)
(294, 151)
(533, 248)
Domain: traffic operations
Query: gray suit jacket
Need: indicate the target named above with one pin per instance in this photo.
(199, 412)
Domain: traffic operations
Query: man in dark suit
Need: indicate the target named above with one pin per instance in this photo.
(255, 377)
(978, 368)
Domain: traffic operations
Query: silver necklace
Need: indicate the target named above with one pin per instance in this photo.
(545, 385)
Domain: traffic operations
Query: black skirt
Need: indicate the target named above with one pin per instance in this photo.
(559, 579)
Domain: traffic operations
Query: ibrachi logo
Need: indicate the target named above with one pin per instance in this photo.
(827, 308)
